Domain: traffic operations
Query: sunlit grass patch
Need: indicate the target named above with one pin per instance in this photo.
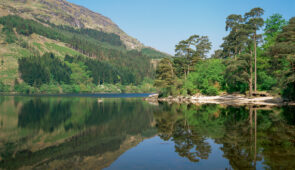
(60, 49)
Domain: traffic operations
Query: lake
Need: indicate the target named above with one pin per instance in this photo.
(84, 132)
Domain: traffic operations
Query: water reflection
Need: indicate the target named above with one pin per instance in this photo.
(56, 132)
(248, 135)
(84, 133)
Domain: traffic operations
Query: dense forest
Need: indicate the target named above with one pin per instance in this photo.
(104, 60)
(256, 55)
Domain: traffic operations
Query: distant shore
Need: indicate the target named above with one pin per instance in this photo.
(223, 99)
(97, 95)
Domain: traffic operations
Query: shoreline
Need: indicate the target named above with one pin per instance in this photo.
(223, 99)
(98, 95)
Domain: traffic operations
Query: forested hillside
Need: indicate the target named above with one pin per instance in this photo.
(257, 55)
(40, 56)
(61, 12)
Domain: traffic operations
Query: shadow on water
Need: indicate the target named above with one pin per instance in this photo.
(80, 132)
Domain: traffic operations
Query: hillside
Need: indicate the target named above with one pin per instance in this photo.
(61, 12)
(88, 49)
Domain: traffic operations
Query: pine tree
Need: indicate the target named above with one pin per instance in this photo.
(283, 52)
(193, 50)
(273, 26)
(254, 22)
(165, 74)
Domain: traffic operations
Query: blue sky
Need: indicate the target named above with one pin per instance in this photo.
(163, 23)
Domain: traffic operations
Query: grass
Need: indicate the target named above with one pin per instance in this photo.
(22, 52)
(62, 50)
(9, 69)
(38, 45)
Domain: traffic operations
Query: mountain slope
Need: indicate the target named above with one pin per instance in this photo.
(61, 12)
(87, 49)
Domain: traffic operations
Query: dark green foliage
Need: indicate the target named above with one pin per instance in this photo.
(165, 74)
(265, 81)
(102, 72)
(208, 77)
(270, 67)
(283, 53)
(234, 43)
(179, 64)
(273, 26)
(3, 87)
(36, 70)
(95, 44)
(152, 53)
(110, 38)
(237, 74)
(217, 54)
(241, 44)
(64, 33)
(194, 49)
(9, 34)
(23, 88)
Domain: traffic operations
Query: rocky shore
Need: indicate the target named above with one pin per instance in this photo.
(223, 99)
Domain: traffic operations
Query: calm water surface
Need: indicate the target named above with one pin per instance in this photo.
(80, 132)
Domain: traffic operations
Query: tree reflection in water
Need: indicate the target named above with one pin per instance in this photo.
(247, 135)
(81, 132)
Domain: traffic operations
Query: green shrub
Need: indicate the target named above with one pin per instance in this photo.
(3, 87)
(66, 88)
(207, 78)
(266, 82)
(50, 89)
(25, 89)
(76, 88)
(9, 34)
(211, 91)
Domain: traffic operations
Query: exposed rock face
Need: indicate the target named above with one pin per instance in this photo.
(63, 12)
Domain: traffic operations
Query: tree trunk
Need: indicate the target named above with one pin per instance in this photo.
(171, 67)
(251, 75)
(255, 138)
(251, 129)
(255, 61)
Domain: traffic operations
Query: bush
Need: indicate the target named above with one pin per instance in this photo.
(9, 34)
(76, 88)
(189, 87)
(266, 82)
(207, 78)
(50, 89)
(25, 89)
(211, 91)
(85, 88)
(66, 88)
(3, 87)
